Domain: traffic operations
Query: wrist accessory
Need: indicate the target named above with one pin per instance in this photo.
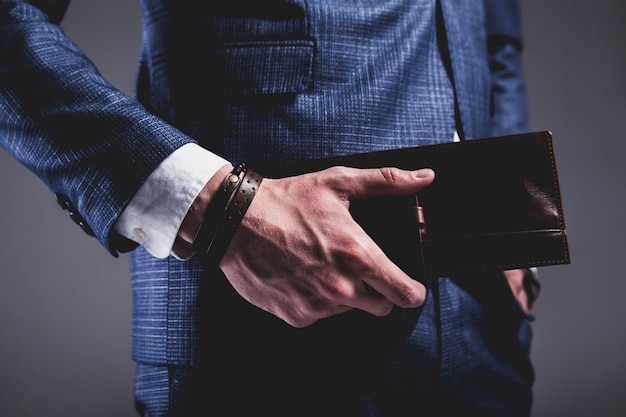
(234, 211)
(208, 228)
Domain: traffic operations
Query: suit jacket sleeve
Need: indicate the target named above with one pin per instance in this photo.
(89, 143)
(505, 44)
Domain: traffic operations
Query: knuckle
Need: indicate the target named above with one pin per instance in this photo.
(310, 311)
(359, 250)
(334, 178)
(383, 309)
(410, 297)
(336, 170)
(332, 292)
(341, 290)
(334, 173)
(391, 175)
(300, 321)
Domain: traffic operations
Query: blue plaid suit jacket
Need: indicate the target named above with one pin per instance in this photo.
(234, 77)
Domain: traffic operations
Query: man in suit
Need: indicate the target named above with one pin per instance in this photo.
(303, 314)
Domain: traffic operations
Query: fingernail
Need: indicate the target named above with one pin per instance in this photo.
(423, 173)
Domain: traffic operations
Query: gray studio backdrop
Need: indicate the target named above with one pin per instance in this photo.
(65, 305)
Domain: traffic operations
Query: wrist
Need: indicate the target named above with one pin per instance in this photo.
(212, 242)
(198, 209)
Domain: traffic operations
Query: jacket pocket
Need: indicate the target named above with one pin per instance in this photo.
(243, 68)
(264, 67)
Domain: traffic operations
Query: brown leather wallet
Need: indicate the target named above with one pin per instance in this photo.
(495, 204)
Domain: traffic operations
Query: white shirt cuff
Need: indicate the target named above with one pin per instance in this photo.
(155, 213)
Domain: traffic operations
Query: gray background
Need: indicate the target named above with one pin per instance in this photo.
(65, 303)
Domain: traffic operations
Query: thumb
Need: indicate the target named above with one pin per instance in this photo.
(374, 182)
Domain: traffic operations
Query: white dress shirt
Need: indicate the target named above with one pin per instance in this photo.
(155, 213)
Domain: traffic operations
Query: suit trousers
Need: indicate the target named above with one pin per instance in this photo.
(464, 352)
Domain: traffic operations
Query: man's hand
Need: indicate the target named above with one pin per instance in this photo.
(299, 255)
(515, 277)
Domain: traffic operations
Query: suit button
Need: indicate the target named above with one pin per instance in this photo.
(66, 204)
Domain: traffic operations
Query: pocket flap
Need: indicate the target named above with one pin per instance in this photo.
(265, 67)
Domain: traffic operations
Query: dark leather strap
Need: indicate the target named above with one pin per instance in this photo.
(208, 228)
(233, 214)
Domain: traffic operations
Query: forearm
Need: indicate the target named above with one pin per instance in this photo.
(78, 134)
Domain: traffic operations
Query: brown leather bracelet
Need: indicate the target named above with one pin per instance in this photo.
(233, 214)
(217, 206)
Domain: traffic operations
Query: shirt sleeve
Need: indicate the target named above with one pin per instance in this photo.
(69, 126)
(155, 213)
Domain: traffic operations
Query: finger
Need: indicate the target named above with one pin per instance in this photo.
(360, 257)
(371, 301)
(308, 317)
(515, 278)
(394, 284)
(364, 183)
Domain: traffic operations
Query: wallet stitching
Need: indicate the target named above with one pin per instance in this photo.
(557, 192)
(514, 232)
(504, 266)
